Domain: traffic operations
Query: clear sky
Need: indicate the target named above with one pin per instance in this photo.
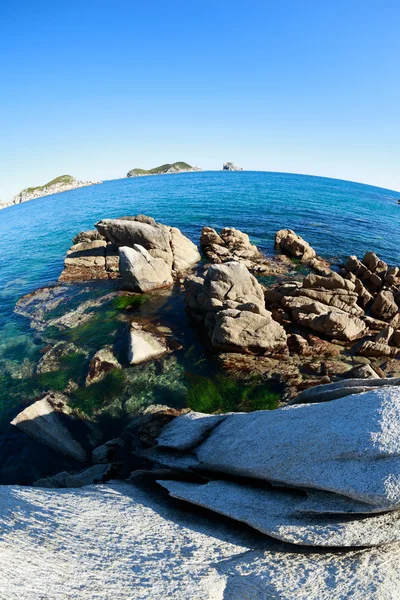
(95, 88)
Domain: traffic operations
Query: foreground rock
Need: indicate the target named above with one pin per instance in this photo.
(50, 422)
(312, 446)
(125, 524)
(276, 513)
(230, 303)
(63, 183)
(95, 255)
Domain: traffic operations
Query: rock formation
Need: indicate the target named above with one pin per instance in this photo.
(230, 303)
(151, 253)
(234, 245)
(230, 166)
(288, 242)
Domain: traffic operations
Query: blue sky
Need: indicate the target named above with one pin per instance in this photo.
(95, 88)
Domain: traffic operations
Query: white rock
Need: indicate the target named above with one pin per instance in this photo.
(188, 430)
(349, 446)
(273, 513)
(144, 346)
(117, 541)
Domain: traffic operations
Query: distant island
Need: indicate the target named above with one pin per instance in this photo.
(176, 167)
(230, 166)
(63, 183)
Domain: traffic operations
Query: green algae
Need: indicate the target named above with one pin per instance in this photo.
(223, 394)
(96, 396)
(130, 302)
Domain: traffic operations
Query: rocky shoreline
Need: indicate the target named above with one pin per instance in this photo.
(137, 306)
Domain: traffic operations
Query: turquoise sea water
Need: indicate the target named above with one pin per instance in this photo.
(338, 218)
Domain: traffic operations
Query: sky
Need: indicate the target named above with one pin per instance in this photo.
(96, 88)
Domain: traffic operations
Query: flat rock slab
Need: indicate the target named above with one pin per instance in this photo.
(273, 513)
(144, 346)
(188, 430)
(349, 446)
(117, 541)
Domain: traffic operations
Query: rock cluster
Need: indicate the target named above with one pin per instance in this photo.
(234, 245)
(230, 166)
(325, 304)
(288, 242)
(146, 254)
(333, 471)
(229, 301)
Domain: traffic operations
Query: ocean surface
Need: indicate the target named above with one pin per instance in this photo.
(337, 218)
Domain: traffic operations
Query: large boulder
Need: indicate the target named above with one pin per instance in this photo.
(349, 446)
(292, 244)
(49, 421)
(140, 271)
(161, 241)
(144, 345)
(230, 302)
(384, 306)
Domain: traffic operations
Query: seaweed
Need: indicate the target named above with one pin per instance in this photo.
(95, 396)
(130, 302)
(223, 394)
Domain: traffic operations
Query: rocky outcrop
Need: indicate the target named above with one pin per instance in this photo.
(49, 421)
(326, 304)
(95, 255)
(288, 242)
(125, 523)
(230, 303)
(63, 183)
(230, 166)
(234, 245)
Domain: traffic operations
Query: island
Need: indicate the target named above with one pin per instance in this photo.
(63, 183)
(168, 168)
(230, 166)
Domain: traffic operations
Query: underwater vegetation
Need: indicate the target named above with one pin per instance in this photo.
(223, 394)
(97, 395)
(130, 302)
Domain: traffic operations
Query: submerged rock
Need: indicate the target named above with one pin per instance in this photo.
(144, 346)
(102, 363)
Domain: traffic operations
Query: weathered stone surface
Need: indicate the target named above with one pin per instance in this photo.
(50, 361)
(141, 272)
(384, 306)
(230, 302)
(376, 349)
(294, 245)
(246, 331)
(274, 513)
(313, 446)
(188, 431)
(340, 389)
(197, 558)
(161, 241)
(363, 372)
(97, 474)
(54, 481)
(144, 346)
(47, 421)
(101, 363)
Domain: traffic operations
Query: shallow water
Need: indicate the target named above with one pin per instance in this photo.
(338, 218)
